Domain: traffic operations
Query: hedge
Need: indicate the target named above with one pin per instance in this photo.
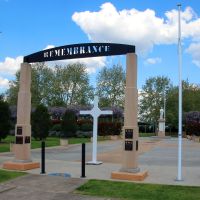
(192, 123)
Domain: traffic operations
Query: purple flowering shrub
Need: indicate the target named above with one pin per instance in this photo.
(192, 123)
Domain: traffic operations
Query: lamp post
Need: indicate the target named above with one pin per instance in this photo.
(179, 177)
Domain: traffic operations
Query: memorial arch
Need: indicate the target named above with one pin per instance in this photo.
(22, 148)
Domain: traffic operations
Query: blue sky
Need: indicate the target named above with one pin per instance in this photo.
(29, 26)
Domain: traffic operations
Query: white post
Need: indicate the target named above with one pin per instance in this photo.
(94, 141)
(95, 112)
(179, 177)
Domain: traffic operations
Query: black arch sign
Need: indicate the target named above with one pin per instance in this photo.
(84, 50)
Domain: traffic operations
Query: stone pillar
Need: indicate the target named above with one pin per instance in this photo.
(23, 127)
(130, 169)
(130, 149)
(161, 128)
(22, 144)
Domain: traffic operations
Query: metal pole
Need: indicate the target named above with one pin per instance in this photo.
(179, 177)
(83, 161)
(43, 158)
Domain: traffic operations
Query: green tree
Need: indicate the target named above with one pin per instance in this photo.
(69, 124)
(41, 85)
(64, 85)
(73, 84)
(40, 121)
(5, 123)
(110, 86)
(12, 92)
(191, 96)
(151, 98)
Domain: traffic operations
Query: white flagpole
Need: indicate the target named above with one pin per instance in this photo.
(179, 177)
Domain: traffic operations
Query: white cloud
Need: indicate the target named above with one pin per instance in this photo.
(49, 46)
(141, 28)
(92, 64)
(10, 65)
(153, 61)
(4, 83)
(194, 50)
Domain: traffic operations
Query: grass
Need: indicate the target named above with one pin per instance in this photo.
(138, 191)
(78, 140)
(8, 175)
(50, 142)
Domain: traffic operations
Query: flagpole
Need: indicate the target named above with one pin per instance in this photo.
(179, 177)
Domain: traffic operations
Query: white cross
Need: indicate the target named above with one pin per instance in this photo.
(95, 112)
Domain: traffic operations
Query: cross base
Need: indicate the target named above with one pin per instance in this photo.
(94, 163)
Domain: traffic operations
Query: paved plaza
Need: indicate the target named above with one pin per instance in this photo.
(158, 156)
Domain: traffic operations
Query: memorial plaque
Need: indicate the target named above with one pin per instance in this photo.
(128, 145)
(19, 140)
(27, 139)
(19, 130)
(128, 133)
(136, 145)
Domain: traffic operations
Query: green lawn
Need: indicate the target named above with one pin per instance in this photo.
(7, 175)
(50, 142)
(138, 191)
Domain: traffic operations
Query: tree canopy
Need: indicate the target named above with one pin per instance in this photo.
(110, 86)
(152, 98)
(59, 86)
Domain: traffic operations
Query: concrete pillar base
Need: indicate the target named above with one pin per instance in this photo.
(94, 163)
(21, 166)
(139, 176)
(161, 133)
(130, 170)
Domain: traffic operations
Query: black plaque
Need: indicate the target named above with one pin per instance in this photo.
(19, 140)
(128, 133)
(128, 145)
(27, 139)
(136, 145)
(19, 130)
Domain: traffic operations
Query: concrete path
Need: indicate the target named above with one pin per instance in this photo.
(38, 187)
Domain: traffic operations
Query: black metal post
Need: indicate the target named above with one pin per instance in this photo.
(43, 157)
(83, 161)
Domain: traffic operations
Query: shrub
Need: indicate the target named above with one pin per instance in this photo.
(86, 127)
(192, 123)
(56, 127)
(40, 122)
(5, 123)
(69, 124)
(109, 128)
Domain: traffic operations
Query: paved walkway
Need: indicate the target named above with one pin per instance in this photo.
(38, 187)
(158, 156)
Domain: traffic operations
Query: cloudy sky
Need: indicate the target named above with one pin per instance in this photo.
(29, 26)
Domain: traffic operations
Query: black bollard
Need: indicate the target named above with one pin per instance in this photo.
(43, 157)
(83, 161)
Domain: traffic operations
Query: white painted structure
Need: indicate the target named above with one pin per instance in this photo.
(179, 176)
(95, 112)
(161, 125)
